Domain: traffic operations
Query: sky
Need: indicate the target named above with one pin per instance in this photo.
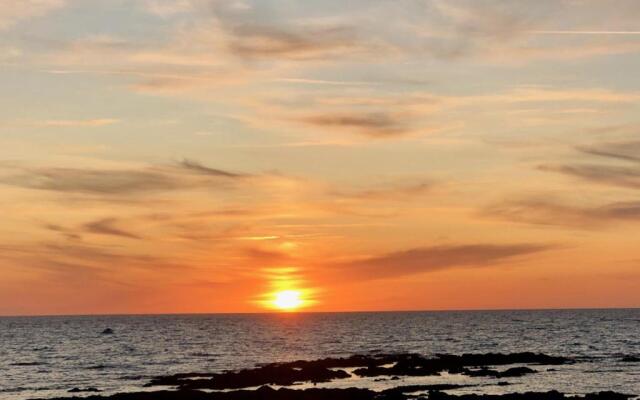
(178, 156)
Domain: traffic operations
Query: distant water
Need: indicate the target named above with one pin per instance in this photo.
(43, 357)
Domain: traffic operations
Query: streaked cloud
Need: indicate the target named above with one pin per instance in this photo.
(64, 123)
(197, 167)
(256, 42)
(392, 191)
(13, 12)
(107, 226)
(624, 150)
(628, 177)
(375, 125)
(561, 214)
(432, 259)
(115, 181)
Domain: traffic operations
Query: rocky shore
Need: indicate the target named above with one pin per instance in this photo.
(273, 381)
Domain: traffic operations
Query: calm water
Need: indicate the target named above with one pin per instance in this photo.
(45, 356)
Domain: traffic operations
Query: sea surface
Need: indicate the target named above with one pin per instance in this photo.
(43, 357)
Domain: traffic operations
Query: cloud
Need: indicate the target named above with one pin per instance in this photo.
(392, 192)
(106, 226)
(13, 12)
(555, 213)
(197, 167)
(78, 263)
(627, 151)
(168, 8)
(63, 123)
(254, 41)
(185, 175)
(67, 233)
(616, 175)
(603, 174)
(374, 125)
(94, 181)
(431, 259)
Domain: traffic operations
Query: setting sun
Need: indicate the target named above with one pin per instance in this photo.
(287, 300)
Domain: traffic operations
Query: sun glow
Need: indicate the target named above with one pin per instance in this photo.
(287, 300)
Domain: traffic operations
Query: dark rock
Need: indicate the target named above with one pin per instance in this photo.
(25, 364)
(107, 331)
(416, 365)
(630, 359)
(509, 373)
(79, 390)
(276, 374)
(517, 372)
(323, 370)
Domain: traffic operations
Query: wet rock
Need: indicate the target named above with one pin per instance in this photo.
(376, 365)
(25, 364)
(517, 372)
(509, 373)
(274, 374)
(85, 390)
(107, 331)
(416, 365)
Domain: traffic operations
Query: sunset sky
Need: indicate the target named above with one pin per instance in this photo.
(164, 156)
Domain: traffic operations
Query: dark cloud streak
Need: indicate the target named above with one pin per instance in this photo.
(627, 151)
(432, 259)
(555, 213)
(117, 182)
(375, 125)
(106, 226)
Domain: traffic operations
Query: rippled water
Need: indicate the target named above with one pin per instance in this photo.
(46, 356)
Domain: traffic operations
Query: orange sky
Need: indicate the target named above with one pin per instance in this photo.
(169, 156)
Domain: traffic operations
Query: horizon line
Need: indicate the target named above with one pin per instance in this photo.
(319, 312)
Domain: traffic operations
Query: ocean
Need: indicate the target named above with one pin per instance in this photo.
(43, 357)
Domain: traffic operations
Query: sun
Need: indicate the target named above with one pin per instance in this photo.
(287, 300)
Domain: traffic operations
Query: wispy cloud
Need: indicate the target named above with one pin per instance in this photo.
(107, 226)
(64, 123)
(605, 174)
(627, 176)
(197, 167)
(187, 174)
(389, 192)
(12, 12)
(255, 41)
(432, 259)
(560, 214)
(94, 181)
(624, 150)
(375, 125)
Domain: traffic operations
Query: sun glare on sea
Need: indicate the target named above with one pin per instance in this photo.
(287, 300)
